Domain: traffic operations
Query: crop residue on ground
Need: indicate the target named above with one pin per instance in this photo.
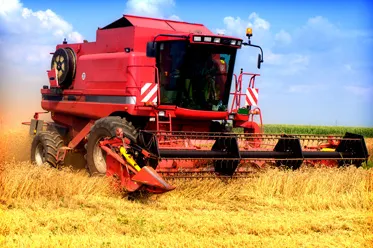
(43, 207)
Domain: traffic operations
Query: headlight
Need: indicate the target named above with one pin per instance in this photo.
(233, 42)
(231, 117)
(208, 39)
(217, 40)
(197, 38)
(239, 43)
(161, 113)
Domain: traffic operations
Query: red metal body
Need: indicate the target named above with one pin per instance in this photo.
(114, 76)
(112, 72)
(109, 80)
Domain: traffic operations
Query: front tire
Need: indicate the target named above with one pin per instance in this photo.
(44, 148)
(103, 128)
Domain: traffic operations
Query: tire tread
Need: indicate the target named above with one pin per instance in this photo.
(52, 141)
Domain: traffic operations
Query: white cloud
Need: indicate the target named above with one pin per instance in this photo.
(28, 22)
(73, 37)
(220, 31)
(361, 91)
(234, 25)
(274, 58)
(284, 63)
(286, 59)
(237, 26)
(283, 37)
(8, 6)
(174, 17)
(314, 60)
(31, 33)
(319, 23)
(297, 59)
(257, 22)
(151, 8)
(319, 35)
(27, 37)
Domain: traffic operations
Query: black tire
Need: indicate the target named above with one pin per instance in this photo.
(105, 127)
(63, 132)
(64, 60)
(44, 148)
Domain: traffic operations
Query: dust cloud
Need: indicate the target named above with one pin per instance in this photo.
(20, 95)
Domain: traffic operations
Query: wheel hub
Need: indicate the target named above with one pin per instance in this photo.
(99, 158)
(40, 155)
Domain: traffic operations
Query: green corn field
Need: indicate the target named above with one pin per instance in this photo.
(367, 132)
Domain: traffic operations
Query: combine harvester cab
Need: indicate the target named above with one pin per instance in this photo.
(151, 99)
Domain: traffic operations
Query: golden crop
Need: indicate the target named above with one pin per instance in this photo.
(44, 207)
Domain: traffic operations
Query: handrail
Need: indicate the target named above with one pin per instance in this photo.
(237, 94)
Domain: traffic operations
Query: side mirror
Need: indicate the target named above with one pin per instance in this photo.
(259, 61)
(151, 49)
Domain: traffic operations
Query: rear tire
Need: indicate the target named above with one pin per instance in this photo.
(44, 148)
(103, 128)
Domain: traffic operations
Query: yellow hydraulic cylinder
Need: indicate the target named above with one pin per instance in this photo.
(129, 158)
(327, 150)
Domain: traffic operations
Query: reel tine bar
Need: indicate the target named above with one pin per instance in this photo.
(226, 150)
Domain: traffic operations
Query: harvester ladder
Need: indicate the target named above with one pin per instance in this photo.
(167, 122)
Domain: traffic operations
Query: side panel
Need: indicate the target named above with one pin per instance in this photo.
(115, 40)
(90, 110)
(101, 71)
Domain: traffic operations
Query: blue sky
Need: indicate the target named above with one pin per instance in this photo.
(318, 63)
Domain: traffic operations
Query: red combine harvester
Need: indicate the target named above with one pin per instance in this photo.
(151, 99)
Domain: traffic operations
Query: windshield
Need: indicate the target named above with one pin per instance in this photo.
(195, 76)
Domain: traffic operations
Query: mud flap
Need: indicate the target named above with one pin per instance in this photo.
(36, 126)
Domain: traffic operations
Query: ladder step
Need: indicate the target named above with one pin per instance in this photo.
(168, 122)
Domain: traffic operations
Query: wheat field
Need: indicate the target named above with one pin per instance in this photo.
(44, 207)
